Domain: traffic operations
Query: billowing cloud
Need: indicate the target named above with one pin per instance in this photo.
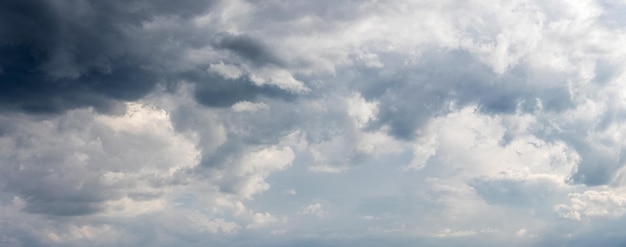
(312, 123)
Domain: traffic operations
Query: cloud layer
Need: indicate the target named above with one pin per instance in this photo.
(312, 123)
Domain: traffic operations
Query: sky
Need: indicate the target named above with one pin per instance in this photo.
(246, 123)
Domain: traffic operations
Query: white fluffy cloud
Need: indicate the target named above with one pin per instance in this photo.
(438, 123)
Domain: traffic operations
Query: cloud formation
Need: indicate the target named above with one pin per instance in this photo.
(311, 123)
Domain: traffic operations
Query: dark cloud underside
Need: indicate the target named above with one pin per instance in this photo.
(312, 123)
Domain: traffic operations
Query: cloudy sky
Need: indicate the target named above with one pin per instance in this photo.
(312, 123)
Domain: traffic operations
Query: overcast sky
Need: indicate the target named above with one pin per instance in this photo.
(312, 123)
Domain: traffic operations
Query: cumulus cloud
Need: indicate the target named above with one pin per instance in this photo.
(407, 122)
(593, 203)
(81, 162)
(313, 209)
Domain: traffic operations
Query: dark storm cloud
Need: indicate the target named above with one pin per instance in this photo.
(24, 87)
(350, 88)
(248, 48)
(58, 55)
(217, 91)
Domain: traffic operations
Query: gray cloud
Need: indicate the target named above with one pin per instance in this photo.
(216, 91)
(410, 95)
(248, 48)
(314, 123)
(64, 55)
